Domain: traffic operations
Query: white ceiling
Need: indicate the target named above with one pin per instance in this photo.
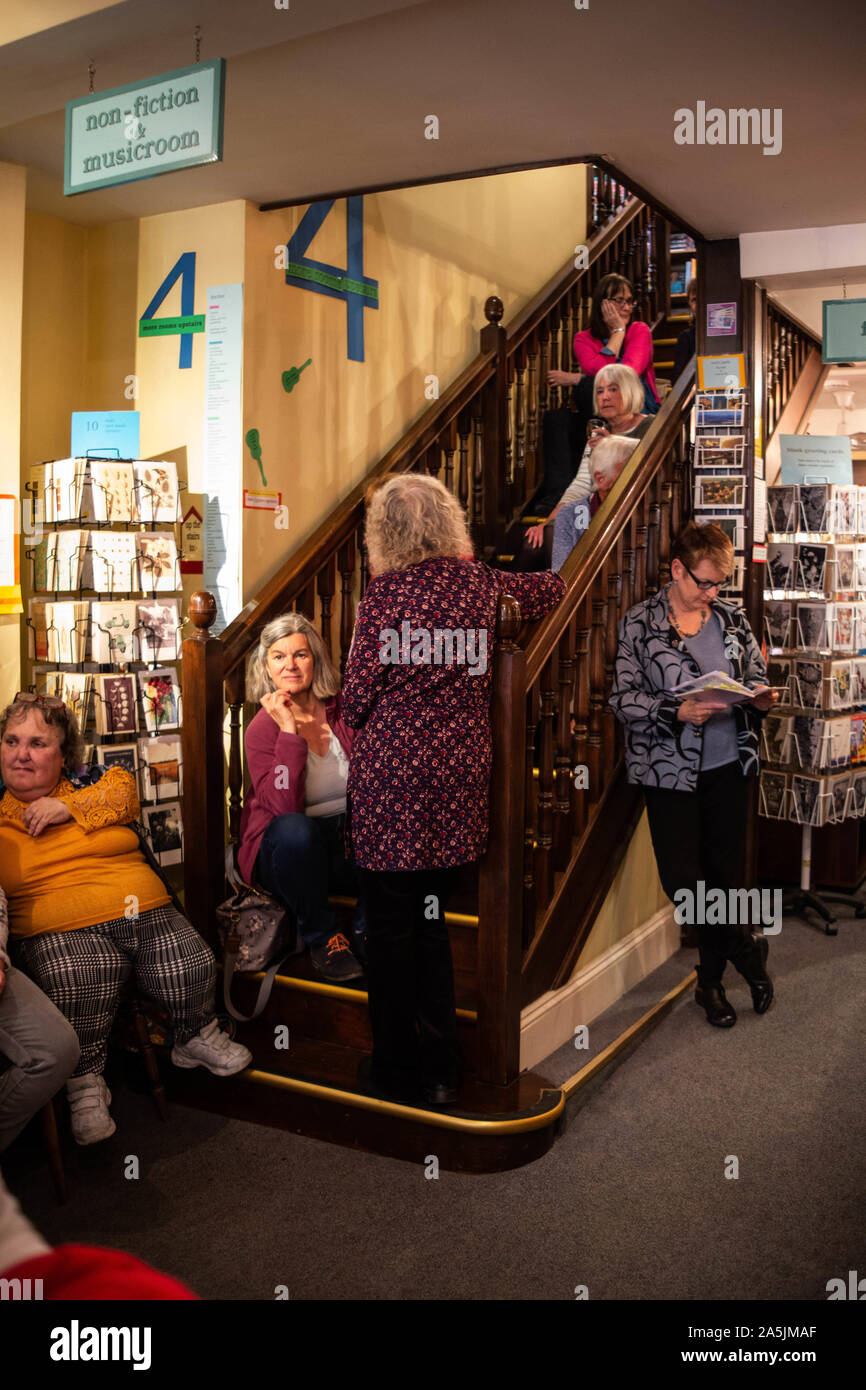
(331, 96)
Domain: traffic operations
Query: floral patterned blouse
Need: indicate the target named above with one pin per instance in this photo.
(420, 767)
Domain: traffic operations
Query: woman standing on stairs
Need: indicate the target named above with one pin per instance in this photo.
(417, 690)
(697, 759)
(613, 336)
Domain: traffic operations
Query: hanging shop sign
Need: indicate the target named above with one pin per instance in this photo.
(145, 128)
(844, 330)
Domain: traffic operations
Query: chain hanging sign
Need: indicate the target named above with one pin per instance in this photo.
(145, 128)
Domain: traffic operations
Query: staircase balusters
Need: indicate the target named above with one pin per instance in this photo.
(520, 420)
(234, 689)
(652, 557)
(543, 865)
(325, 587)
(530, 820)
(449, 444)
(478, 527)
(580, 801)
(596, 692)
(666, 489)
(346, 567)
(614, 592)
(563, 765)
(464, 430)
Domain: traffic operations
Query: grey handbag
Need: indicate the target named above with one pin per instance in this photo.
(257, 933)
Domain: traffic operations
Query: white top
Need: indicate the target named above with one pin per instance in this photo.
(327, 774)
(581, 484)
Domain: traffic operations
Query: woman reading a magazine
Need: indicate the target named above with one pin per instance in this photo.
(693, 745)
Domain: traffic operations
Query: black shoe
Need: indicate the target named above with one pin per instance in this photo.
(401, 1092)
(718, 1010)
(752, 965)
(335, 961)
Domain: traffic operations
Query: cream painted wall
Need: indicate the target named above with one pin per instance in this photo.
(13, 182)
(437, 253)
(635, 896)
(171, 399)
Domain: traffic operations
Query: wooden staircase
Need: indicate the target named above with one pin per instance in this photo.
(521, 917)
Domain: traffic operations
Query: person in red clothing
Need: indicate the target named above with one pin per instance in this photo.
(73, 1272)
(297, 749)
(613, 336)
(417, 691)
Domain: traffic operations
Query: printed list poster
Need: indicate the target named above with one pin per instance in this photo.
(223, 450)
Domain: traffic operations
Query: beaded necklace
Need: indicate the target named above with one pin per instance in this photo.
(686, 636)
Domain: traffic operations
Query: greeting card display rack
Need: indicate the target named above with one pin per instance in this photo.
(104, 621)
(814, 742)
(719, 473)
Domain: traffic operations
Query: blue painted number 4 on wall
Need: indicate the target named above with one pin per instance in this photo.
(359, 291)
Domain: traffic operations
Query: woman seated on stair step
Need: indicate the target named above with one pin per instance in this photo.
(575, 511)
(86, 910)
(618, 398)
(297, 750)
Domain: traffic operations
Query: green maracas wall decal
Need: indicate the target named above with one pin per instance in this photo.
(253, 443)
(291, 378)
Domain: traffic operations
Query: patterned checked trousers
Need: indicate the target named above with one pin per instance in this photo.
(84, 971)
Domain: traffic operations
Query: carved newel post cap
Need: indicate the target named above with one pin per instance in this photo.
(493, 309)
(202, 609)
(508, 619)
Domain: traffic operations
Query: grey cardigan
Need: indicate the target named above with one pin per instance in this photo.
(660, 751)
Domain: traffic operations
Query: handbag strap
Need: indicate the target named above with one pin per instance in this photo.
(229, 962)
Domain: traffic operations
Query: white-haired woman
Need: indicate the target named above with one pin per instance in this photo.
(575, 512)
(417, 690)
(618, 399)
(297, 750)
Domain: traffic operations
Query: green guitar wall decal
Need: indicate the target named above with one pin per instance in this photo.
(293, 375)
(251, 439)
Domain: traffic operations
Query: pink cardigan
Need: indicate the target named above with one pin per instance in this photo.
(637, 352)
(267, 748)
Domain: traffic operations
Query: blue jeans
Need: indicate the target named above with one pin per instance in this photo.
(301, 860)
(569, 525)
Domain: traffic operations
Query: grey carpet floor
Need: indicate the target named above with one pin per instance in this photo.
(633, 1201)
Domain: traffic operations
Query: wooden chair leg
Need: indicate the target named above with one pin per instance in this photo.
(157, 1090)
(55, 1157)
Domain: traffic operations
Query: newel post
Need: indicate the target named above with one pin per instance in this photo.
(203, 768)
(495, 426)
(500, 880)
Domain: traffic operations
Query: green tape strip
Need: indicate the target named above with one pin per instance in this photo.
(157, 328)
(333, 282)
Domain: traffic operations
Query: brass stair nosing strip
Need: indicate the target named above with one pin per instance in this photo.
(585, 1075)
(457, 919)
(352, 996)
(436, 1118)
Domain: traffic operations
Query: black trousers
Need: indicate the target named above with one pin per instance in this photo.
(410, 978)
(701, 835)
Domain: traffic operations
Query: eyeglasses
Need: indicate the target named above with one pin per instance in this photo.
(624, 303)
(27, 697)
(705, 584)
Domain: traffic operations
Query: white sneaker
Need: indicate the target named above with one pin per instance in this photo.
(89, 1099)
(212, 1049)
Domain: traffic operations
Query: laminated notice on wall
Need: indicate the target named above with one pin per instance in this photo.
(10, 585)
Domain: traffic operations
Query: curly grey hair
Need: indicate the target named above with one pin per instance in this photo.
(413, 517)
(56, 717)
(326, 678)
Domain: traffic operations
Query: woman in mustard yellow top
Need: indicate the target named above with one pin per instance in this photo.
(86, 910)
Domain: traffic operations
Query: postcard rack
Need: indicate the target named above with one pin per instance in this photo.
(104, 621)
(721, 475)
(814, 742)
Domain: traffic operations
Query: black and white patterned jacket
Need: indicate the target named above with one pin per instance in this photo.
(661, 751)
